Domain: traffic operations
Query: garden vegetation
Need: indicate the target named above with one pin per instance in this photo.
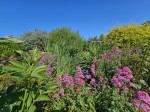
(61, 71)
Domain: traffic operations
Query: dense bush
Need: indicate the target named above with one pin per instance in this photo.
(33, 39)
(66, 40)
(67, 78)
(130, 35)
(8, 48)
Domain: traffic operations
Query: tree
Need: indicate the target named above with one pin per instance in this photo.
(130, 35)
(33, 39)
(66, 40)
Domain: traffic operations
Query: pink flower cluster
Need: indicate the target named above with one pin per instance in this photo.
(114, 53)
(49, 70)
(142, 101)
(93, 67)
(12, 58)
(48, 60)
(68, 80)
(78, 79)
(122, 77)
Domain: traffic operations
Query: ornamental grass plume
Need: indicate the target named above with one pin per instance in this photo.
(141, 101)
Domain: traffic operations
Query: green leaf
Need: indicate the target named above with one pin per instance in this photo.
(48, 91)
(32, 108)
(29, 101)
(12, 68)
(52, 86)
(143, 82)
(11, 89)
(16, 63)
(42, 98)
(39, 76)
(39, 69)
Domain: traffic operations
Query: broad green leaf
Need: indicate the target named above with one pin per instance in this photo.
(39, 69)
(42, 98)
(16, 63)
(48, 91)
(12, 68)
(52, 86)
(32, 108)
(29, 100)
(39, 76)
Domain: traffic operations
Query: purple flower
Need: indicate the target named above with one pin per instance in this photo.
(62, 92)
(78, 81)
(79, 72)
(125, 88)
(93, 67)
(142, 101)
(68, 80)
(132, 85)
(59, 80)
(88, 76)
(101, 80)
(122, 77)
(93, 81)
(56, 95)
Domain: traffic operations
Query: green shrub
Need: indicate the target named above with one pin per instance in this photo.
(8, 48)
(34, 39)
(131, 35)
(66, 40)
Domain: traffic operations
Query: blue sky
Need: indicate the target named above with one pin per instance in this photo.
(89, 17)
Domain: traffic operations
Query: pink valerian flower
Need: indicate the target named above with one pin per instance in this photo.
(59, 80)
(49, 70)
(12, 58)
(68, 80)
(142, 101)
(101, 80)
(125, 88)
(116, 82)
(56, 95)
(43, 60)
(93, 67)
(104, 57)
(88, 76)
(122, 77)
(78, 81)
(93, 82)
(115, 52)
(132, 85)
(79, 72)
(62, 91)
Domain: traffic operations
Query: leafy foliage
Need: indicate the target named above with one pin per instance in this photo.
(8, 48)
(66, 40)
(34, 39)
(131, 35)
